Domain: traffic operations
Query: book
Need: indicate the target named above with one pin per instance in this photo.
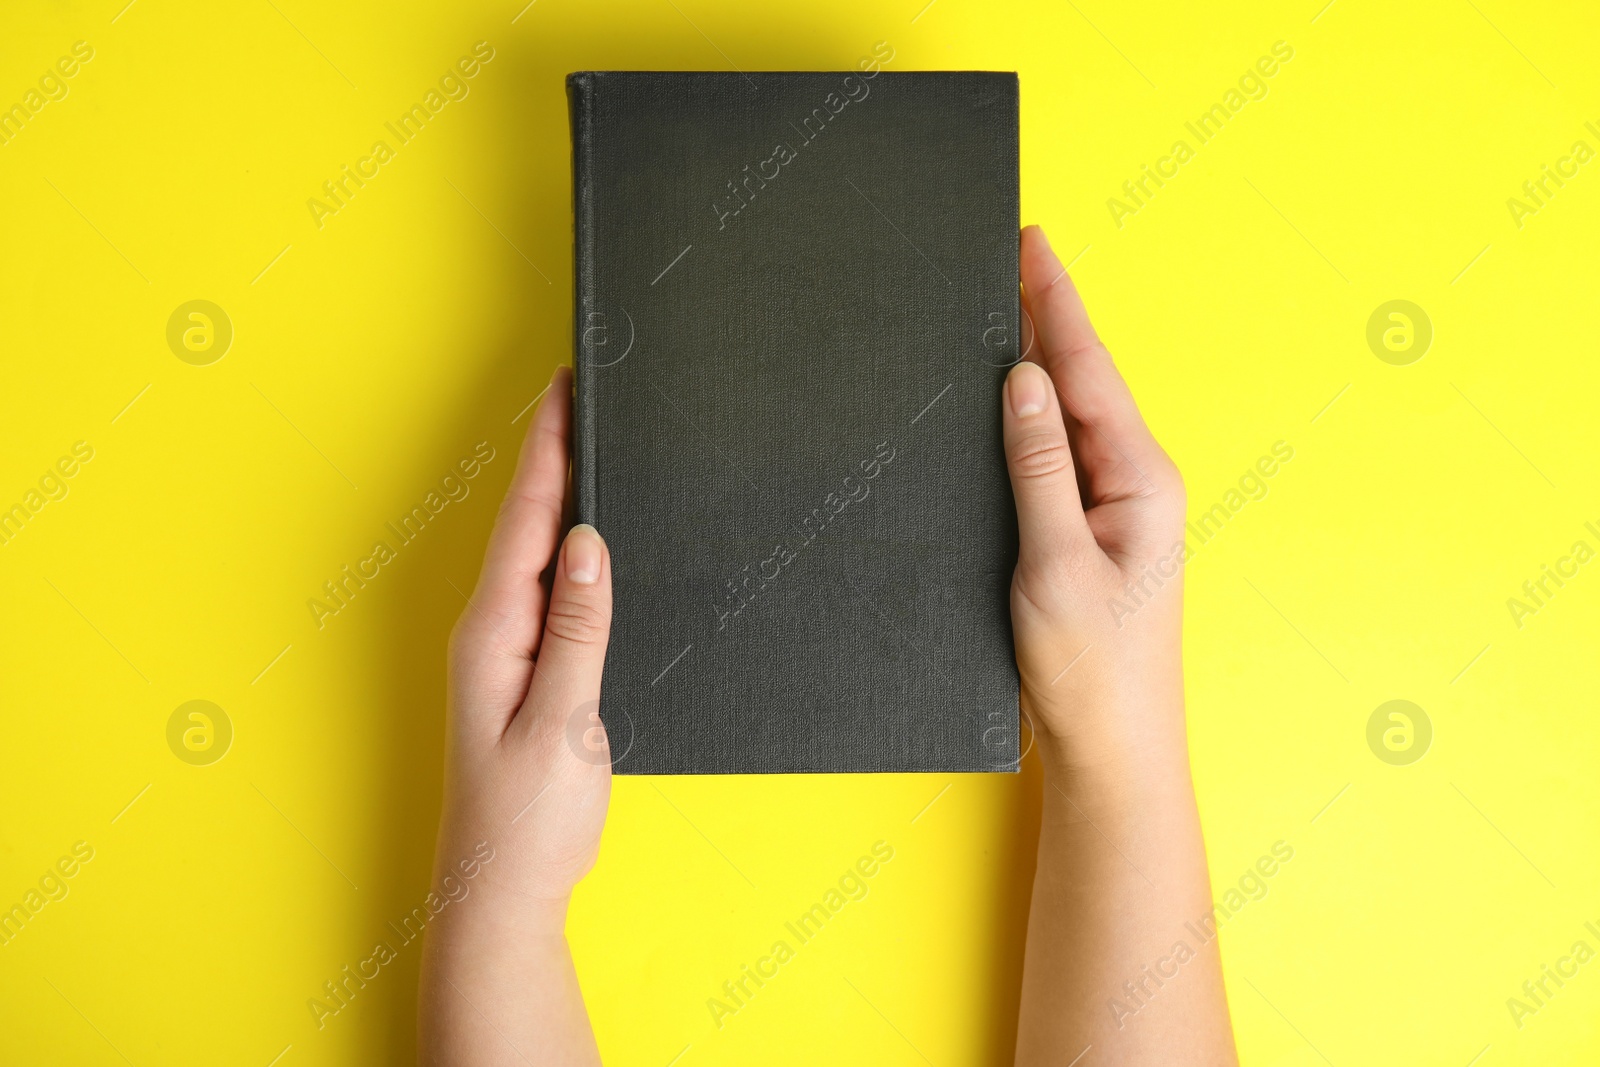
(796, 300)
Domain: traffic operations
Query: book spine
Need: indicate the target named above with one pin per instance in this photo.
(580, 98)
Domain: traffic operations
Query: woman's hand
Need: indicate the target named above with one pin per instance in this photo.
(1097, 611)
(527, 779)
(1097, 599)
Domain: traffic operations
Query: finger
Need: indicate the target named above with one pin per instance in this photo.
(500, 628)
(1031, 352)
(576, 631)
(1119, 455)
(1050, 515)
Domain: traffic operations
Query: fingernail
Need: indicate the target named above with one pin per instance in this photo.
(584, 552)
(1026, 387)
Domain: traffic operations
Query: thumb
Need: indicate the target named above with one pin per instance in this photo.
(1043, 479)
(577, 627)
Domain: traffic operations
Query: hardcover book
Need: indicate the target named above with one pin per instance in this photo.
(796, 300)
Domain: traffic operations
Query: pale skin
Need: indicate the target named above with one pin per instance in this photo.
(1121, 864)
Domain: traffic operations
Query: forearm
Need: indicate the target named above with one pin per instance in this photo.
(1121, 953)
(497, 983)
(498, 993)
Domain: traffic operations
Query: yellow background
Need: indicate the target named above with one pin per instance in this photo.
(372, 353)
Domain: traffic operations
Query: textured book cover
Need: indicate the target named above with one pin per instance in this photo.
(797, 297)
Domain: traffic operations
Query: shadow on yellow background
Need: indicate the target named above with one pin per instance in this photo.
(374, 346)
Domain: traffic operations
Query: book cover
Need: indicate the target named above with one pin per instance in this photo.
(796, 300)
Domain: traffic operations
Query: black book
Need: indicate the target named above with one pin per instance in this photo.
(797, 297)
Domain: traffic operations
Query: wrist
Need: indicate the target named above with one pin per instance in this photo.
(1129, 768)
(503, 896)
(506, 937)
(516, 914)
